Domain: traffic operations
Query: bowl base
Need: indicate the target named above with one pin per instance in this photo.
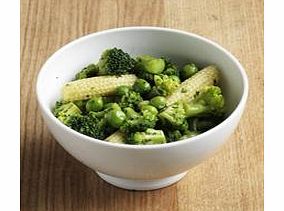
(132, 184)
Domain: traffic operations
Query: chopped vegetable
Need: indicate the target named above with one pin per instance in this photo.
(188, 89)
(115, 62)
(151, 64)
(141, 101)
(87, 72)
(95, 104)
(188, 71)
(95, 86)
(150, 136)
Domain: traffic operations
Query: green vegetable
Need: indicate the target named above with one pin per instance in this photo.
(147, 104)
(159, 102)
(173, 135)
(107, 108)
(173, 116)
(188, 71)
(130, 99)
(87, 72)
(144, 102)
(209, 101)
(151, 64)
(170, 68)
(115, 118)
(141, 86)
(149, 77)
(64, 111)
(90, 125)
(81, 104)
(139, 121)
(150, 136)
(122, 90)
(95, 104)
(131, 113)
(148, 108)
(115, 62)
(164, 85)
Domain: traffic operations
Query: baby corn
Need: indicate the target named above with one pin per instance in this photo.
(187, 90)
(101, 85)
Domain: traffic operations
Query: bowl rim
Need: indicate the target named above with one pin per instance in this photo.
(233, 114)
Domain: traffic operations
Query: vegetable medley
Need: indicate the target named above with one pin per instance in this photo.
(142, 100)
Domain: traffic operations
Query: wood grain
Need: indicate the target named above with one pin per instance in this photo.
(53, 180)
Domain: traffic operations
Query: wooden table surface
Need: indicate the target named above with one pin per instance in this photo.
(53, 180)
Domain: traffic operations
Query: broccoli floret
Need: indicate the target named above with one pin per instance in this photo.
(81, 104)
(173, 115)
(164, 85)
(209, 101)
(115, 62)
(150, 136)
(170, 68)
(90, 125)
(64, 111)
(173, 135)
(98, 124)
(139, 121)
(87, 72)
(149, 77)
(130, 99)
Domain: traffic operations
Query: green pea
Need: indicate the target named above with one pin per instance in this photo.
(159, 102)
(95, 104)
(122, 90)
(149, 108)
(151, 64)
(188, 71)
(113, 106)
(144, 102)
(154, 66)
(115, 118)
(141, 86)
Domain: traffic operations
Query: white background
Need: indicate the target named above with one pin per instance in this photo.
(9, 105)
(274, 103)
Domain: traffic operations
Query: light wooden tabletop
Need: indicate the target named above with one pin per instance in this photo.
(53, 180)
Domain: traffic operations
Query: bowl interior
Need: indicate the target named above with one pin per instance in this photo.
(180, 47)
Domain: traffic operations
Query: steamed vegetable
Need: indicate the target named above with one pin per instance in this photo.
(115, 62)
(95, 86)
(146, 100)
(188, 71)
(209, 101)
(150, 136)
(188, 89)
(87, 72)
(150, 64)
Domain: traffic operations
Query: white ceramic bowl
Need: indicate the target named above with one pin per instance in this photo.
(150, 166)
